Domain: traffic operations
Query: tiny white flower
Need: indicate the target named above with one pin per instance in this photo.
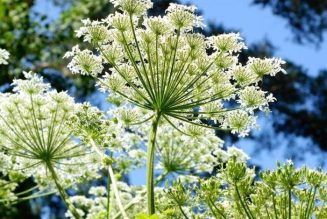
(4, 56)
(133, 7)
(183, 17)
(229, 43)
(94, 31)
(267, 66)
(239, 122)
(252, 97)
(98, 191)
(238, 154)
(84, 62)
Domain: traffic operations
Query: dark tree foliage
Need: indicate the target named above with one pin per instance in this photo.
(159, 6)
(37, 41)
(306, 18)
(302, 104)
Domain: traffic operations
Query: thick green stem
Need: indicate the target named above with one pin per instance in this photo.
(128, 206)
(150, 164)
(62, 192)
(289, 204)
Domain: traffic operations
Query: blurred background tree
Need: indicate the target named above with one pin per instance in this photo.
(37, 33)
(307, 18)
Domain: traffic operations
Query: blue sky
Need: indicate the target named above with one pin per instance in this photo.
(256, 23)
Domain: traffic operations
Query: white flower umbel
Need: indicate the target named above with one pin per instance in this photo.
(161, 65)
(239, 122)
(252, 98)
(33, 130)
(265, 66)
(84, 62)
(184, 154)
(93, 32)
(4, 56)
(227, 42)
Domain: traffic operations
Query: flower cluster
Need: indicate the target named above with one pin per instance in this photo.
(7, 195)
(162, 66)
(239, 121)
(253, 98)
(227, 42)
(185, 154)
(95, 204)
(167, 80)
(84, 62)
(33, 130)
(235, 192)
(4, 55)
(138, 7)
(33, 133)
(93, 32)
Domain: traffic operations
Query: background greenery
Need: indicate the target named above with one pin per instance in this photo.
(38, 39)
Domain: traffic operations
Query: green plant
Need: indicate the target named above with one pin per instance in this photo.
(161, 65)
(169, 83)
(237, 192)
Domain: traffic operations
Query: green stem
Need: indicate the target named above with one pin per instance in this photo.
(311, 203)
(116, 192)
(289, 204)
(213, 204)
(27, 191)
(161, 177)
(113, 179)
(150, 164)
(62, 192)
(128, 206)
(249, 214)
(322, 208)
(32, 197)
(213, 211)
(267, 212)
(274, 204)
(181, 209)
(112, 198)
(108, 196)
(285, 204)
(307, 203)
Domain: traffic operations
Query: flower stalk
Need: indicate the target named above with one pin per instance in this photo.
(109, 192)
(150, 164)
(62, 192)
(112, 180)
